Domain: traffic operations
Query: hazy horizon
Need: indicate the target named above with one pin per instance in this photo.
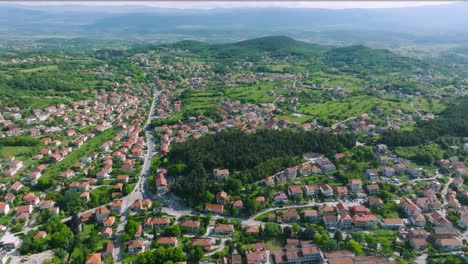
(242, 4)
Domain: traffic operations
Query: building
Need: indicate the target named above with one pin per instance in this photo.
(9, 241)
(220, 173)
(297, 252)
(224, 229)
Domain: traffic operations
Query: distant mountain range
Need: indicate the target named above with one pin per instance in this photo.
(446, 23)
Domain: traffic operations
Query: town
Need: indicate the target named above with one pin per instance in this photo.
(96, 178)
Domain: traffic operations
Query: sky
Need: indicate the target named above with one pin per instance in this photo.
(252, 4)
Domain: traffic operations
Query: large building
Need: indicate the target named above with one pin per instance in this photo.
(297, 252)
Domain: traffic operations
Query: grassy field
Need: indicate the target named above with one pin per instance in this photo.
(351, 106)
(15, 151)
(42, 68)
(273, 244)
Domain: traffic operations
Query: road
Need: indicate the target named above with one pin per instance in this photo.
(341, 122)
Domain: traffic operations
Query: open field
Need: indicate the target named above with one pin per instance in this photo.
(14, 151)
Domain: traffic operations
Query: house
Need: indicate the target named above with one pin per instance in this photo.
(94, 258)
(220, 173)
(84, 196)
(46, 204)
(325, 165)
(346, 221)
(102, 174)
(415, 172)
(9, 197)
(221, 197)
(141, 204)
(16, 186)
(156, 222)
(418, 220)
(4, 208)
(382, 159)
(342, 209)
(86, 217)
(360, 210)
(191, 224)
(326, 190)
(381, 148)
(106, 233)
(67, 174)
(16, 164)
(373, 189)
(161, 183)
(101, 213)
(171, 241)
(281, 178)
(122, 178)
(257, 257)
(365, 221)
(375, 202)
(295, 190)
(214, 208)
(392, 223)
(108, 249)
(291, 215)
(237, 204)
(291, 172)
(444, 232)
(109, 221)
(224, 229)
(135, 246)
(338, 156)
(269, 181)
(449, 244)
(330, 221)
(418, 243)
(409, 207)
(310, 215)
(311, 190)
(204, 243)
(388, 172)
(355, 185)
(116, 205)
(280, 197)
(252, 229)
(429, 204)
(31, 199)
(326, 209)
(341, 191)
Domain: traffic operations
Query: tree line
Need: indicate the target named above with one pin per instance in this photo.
(253, 156)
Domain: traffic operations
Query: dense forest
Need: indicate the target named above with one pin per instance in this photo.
(451, 122)
(254, 156)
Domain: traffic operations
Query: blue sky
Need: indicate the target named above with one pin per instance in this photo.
(237, 4)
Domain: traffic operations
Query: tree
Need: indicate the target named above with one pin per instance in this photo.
(338, 236)
(355, 247)
(287, 231)
(172, 231)
(272, 230)
(70, 201)
(195, 254)
(296, 228)
(332, 245)
(409, 254)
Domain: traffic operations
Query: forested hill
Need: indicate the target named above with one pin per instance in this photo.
(357, 59)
